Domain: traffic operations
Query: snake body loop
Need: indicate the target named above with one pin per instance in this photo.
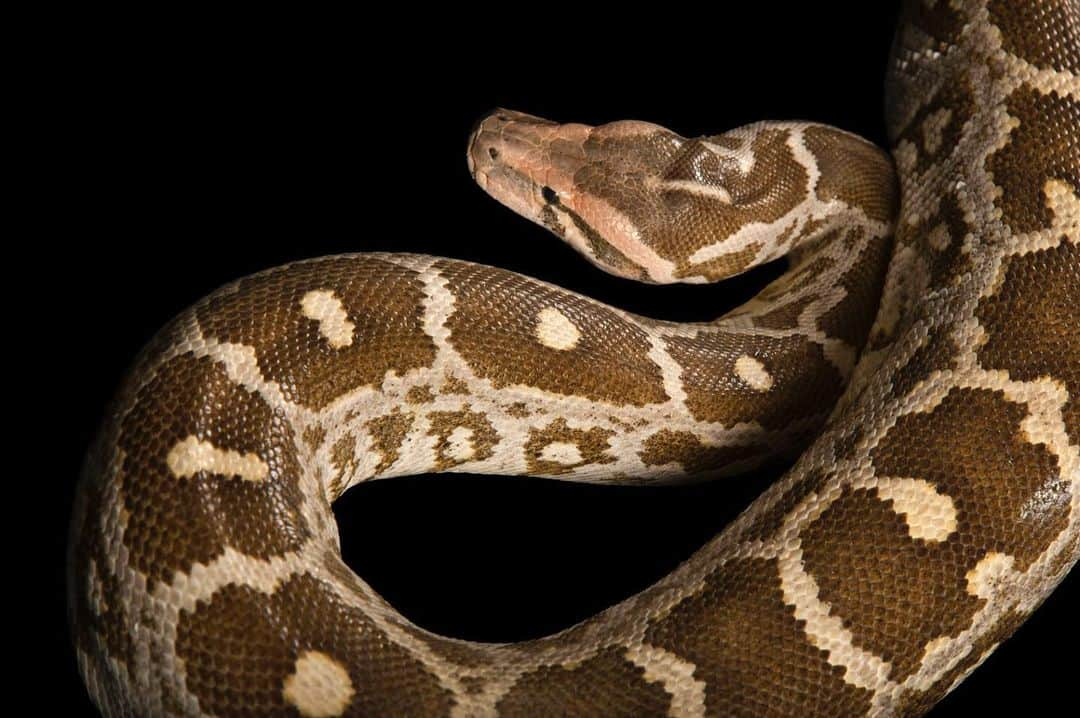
(920, 352)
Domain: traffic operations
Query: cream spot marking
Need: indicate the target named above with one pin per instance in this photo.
(939, 654)
(561, 452)
(939, 237)
(906, 156)
(326, 309)
(319, 686)
(992, 576)
(676, 675)
(930, 516)
(192, 455)
(460, 444)
(554, 330)
(753, 373)
(933, 127)
(1065, 204)
(697, 188)
(935, 647)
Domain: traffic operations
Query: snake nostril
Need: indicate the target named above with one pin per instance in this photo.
(549, 195)
(493, 153)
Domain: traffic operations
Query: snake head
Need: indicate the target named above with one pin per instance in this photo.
(555, 175)
(640, 201)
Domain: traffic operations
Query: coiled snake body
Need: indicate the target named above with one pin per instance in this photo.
(937, 506)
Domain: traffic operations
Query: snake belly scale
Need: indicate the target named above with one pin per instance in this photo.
(920, 356)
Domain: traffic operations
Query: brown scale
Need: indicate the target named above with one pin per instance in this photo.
(852, 171)
(802, 275)
(239, 647)
(1045, 145)
(421, 394)
(957, 99)
(714, 393)
(314, 436)
(592, 444)
(493, 327)
(175, 522)
(387, 434)
(786, 316)
(877, 577)
(342, 458)
(917, 703)
(382, 300)
(482, 436)
(724, 265)
(1035, 334)
(949, 265)
(677, 223)
(688, 450)
(1026, 27)
(768, 522)
(608, 679)
(936, 353)
(105, 620)
(862, 288)
(728, 627)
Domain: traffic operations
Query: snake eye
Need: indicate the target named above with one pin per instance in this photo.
(549, 195)
(493, 153)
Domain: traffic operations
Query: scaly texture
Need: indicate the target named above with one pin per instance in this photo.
(936, 508)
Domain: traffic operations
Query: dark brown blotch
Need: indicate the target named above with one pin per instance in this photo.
(688, 450)
(890, 590)
(734, 629)
(972, 448)
(343, 459)
(1045, 33)
(917, 703)
(482, 437)
(1031, 323)
(383, 301)
(175, 522)
(420, 394)
(239, 647)
(785, 316)
(607, 684)
(387, 433)
(894, 591)
(954, 101)
(592, 444)
(1045, 145)
(937, 352)
(854, 172)
(494, 326)
(804, 383)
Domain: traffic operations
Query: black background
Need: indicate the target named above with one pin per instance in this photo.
(196, 151)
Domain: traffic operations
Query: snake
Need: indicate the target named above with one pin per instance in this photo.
(917, 360)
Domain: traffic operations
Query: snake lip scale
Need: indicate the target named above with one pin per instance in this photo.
(918, 356)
